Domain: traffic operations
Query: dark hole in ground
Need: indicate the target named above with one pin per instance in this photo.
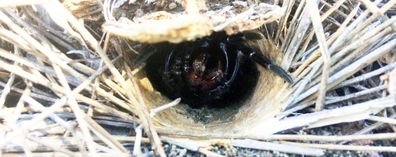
(211, 84)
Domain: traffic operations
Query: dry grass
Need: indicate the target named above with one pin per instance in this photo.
(64, 86)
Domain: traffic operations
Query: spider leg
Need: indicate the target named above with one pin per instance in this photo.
(224, 87)
(257, 57)
(166, 76)
(224, 50)
(265, 62)
(253, 35)
(236, 68)
(245, 36)
(141, 58)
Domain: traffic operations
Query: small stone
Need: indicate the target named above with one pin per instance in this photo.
(172, 5)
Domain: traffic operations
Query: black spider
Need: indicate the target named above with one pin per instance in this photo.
(205, 71)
